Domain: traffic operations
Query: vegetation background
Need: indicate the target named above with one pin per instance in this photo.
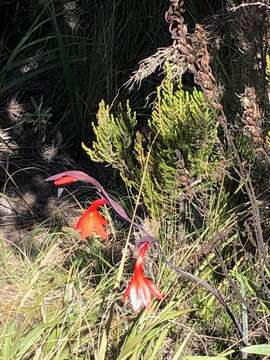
(171, 102)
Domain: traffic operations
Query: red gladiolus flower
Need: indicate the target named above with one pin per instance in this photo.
(141, 289)
(65, 180)
(92, 222)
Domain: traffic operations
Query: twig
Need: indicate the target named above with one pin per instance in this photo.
(257, 3)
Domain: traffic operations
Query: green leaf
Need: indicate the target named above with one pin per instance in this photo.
(7, 344)
(27, 343)
(263, 349)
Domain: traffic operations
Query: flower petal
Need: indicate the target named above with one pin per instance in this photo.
(144, 295)
(126, 293)
(78, 175)
(135, 299)
(97, 203)
(154, 290)
(81, 220)
(64, 180)
(98, 223)
(142, 252)
(84, 225)
(91, 223)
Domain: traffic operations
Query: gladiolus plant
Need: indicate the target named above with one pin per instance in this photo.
(140, 290)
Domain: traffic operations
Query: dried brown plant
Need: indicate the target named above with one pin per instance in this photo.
(188, 52)
(201, 68)
(177, 54)
(252, 115)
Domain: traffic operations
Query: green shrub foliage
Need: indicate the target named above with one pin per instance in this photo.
(179, 147)
(114, 139)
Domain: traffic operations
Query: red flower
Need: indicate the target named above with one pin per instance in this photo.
(64, 180)
(92, 222)
(141, 289)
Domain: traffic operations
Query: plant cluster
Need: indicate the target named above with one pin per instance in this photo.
(188, 157)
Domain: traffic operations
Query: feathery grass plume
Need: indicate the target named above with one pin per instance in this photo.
(7, 145)
(15, 109)
(72, 15)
